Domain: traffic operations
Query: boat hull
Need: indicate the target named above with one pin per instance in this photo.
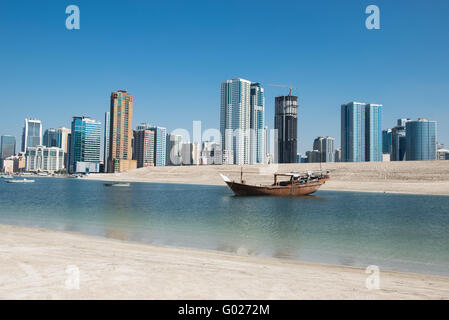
(240, 189)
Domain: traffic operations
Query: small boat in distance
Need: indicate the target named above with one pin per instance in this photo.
(20, 181)
(7, 177)
(117, 184)
(299, 184)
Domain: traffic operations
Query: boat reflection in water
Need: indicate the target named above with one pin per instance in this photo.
(117, 184)
(298, 184)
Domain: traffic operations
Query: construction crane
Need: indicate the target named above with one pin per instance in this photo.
(282, 86)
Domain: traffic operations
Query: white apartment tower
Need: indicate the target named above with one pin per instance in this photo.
(32, 134)
(235, 121)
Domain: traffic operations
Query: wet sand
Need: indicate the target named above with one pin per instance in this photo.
(43, 264)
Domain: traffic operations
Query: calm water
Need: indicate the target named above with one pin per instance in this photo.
(395, 232)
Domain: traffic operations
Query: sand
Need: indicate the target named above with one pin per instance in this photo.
(420, 177)
(43, 264)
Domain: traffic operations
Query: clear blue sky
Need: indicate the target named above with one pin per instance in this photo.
(172, 56)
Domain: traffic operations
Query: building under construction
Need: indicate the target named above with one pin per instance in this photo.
(286, 124)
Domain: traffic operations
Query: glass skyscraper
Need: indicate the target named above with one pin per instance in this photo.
(235, 121)
(387, 141)
(326, 147)
(257, 124)
(361, 132)
(7, 146)
(85, 144)
(32, 134)
(421, 138)
(373, 132)
(160, 145)
(52, 138)
(398, 141)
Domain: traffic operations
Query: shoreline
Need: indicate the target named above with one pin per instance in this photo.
(36, 262)
(419, 178)
(400, 177)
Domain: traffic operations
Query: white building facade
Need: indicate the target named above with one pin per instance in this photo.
(235, 121)
(43, 158)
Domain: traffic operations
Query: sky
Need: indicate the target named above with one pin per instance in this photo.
(173, 55)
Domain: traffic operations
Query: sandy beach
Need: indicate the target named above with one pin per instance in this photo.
(420, 177)
(43, 264)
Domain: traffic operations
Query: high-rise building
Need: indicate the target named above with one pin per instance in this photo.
(373, 131)
(160, 145)
(107, 129)
(257, 124)
(286, 124)
(85, 145)
(421, 138)
(235, 121)
(144, 148)
(64, 143)
(42, 158)
(121, 133)
(51, 138)
(8, 146)
(326, 147)
(160, 142)
(398, 143)
(63, 138)
(173, 150)
(387, 141)
(32, 134)
(361, 132)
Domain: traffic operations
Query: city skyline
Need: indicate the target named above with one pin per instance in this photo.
(407, 80)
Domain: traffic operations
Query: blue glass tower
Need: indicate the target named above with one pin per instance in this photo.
(85, 142)
(361, 132)
(353, 132)
(387, 141)
(7, 146)
(373, 132)
(421, 137)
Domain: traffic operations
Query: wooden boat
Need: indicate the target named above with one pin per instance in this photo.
(297, 185)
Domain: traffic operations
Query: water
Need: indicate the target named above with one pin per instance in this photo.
(394, 232)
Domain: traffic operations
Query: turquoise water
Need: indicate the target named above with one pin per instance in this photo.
(394, 232)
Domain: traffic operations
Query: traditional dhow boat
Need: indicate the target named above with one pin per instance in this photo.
(298, 184)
